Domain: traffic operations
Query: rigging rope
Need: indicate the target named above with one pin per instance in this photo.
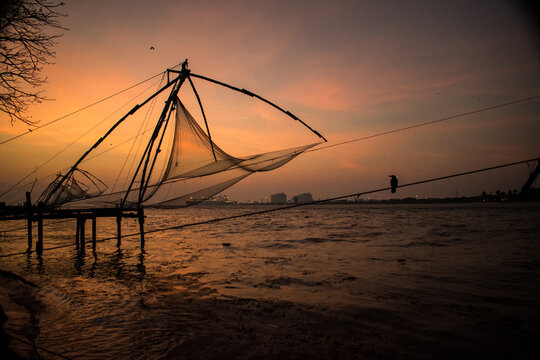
(348, 141)
(249, 93)
(429, 122)
(15, 187)
(24, 227)
(74, 141)
(400, 129)
(404, 128)
(85, 107)
(341, 197)
(144, 124)
(39, 347)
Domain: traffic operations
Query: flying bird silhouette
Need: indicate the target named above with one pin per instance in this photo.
(151, 48)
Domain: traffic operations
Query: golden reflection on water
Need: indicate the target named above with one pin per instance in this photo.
(417, 267)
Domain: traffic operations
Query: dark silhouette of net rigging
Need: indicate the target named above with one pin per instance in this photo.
(196, 168)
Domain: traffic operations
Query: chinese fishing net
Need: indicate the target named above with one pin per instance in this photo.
(197, 169)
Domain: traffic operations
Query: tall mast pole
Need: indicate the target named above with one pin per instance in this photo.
(146, 171)
(100, 140)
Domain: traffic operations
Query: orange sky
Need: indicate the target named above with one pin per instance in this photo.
(348, 68)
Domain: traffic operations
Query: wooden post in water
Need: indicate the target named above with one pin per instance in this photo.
(94, 232)
(118, 229)
(140, 212)
(29, 221)
(39, 243)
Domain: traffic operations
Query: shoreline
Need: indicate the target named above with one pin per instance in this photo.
(241, 327)
(362, 284)
(22, 309)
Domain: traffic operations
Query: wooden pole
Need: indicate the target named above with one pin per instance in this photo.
(141, 225)
(94, 233)
(118, 229)
(29, 221)
(96, 144)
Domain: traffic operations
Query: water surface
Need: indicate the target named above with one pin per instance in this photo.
(341, 281)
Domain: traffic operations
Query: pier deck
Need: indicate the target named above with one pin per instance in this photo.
(36, 214)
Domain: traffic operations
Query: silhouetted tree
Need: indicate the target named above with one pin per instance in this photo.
(25, 47)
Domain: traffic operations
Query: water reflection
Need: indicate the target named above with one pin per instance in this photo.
(28, 262)
(40, 264)
(92, 271)
(32, 266)
(118, 262)
(141, 268)
(414, 269)
(79, 261)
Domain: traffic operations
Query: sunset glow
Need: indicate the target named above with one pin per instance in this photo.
(349, 69)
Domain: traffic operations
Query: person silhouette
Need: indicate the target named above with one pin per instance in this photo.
(393, 182)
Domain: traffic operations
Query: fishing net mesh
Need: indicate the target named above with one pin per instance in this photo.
(197, 169)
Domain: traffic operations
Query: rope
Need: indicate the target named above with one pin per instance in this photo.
(24, 227)
(73, 142)
(334, 198)
(139, 133)
(175, 227)
(78, 110)
(85, 107)
(429, 122)
(348, 141)
(39, 347)
(85, 160)
(394, 131)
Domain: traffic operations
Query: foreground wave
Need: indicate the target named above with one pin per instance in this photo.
(332, 281)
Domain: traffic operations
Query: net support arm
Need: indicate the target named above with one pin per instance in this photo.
(100, 140)
(204, 116)
(249, 93)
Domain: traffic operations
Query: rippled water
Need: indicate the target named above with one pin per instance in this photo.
(377, 281)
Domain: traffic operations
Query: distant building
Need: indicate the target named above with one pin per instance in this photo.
(279, 198)
(302, 198)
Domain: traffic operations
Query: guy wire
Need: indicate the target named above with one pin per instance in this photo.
(429, 122)
(84, 108)
(204, 222)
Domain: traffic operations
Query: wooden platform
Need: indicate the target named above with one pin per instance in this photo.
(37, 214)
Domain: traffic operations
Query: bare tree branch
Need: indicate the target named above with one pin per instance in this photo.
(26, 45)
